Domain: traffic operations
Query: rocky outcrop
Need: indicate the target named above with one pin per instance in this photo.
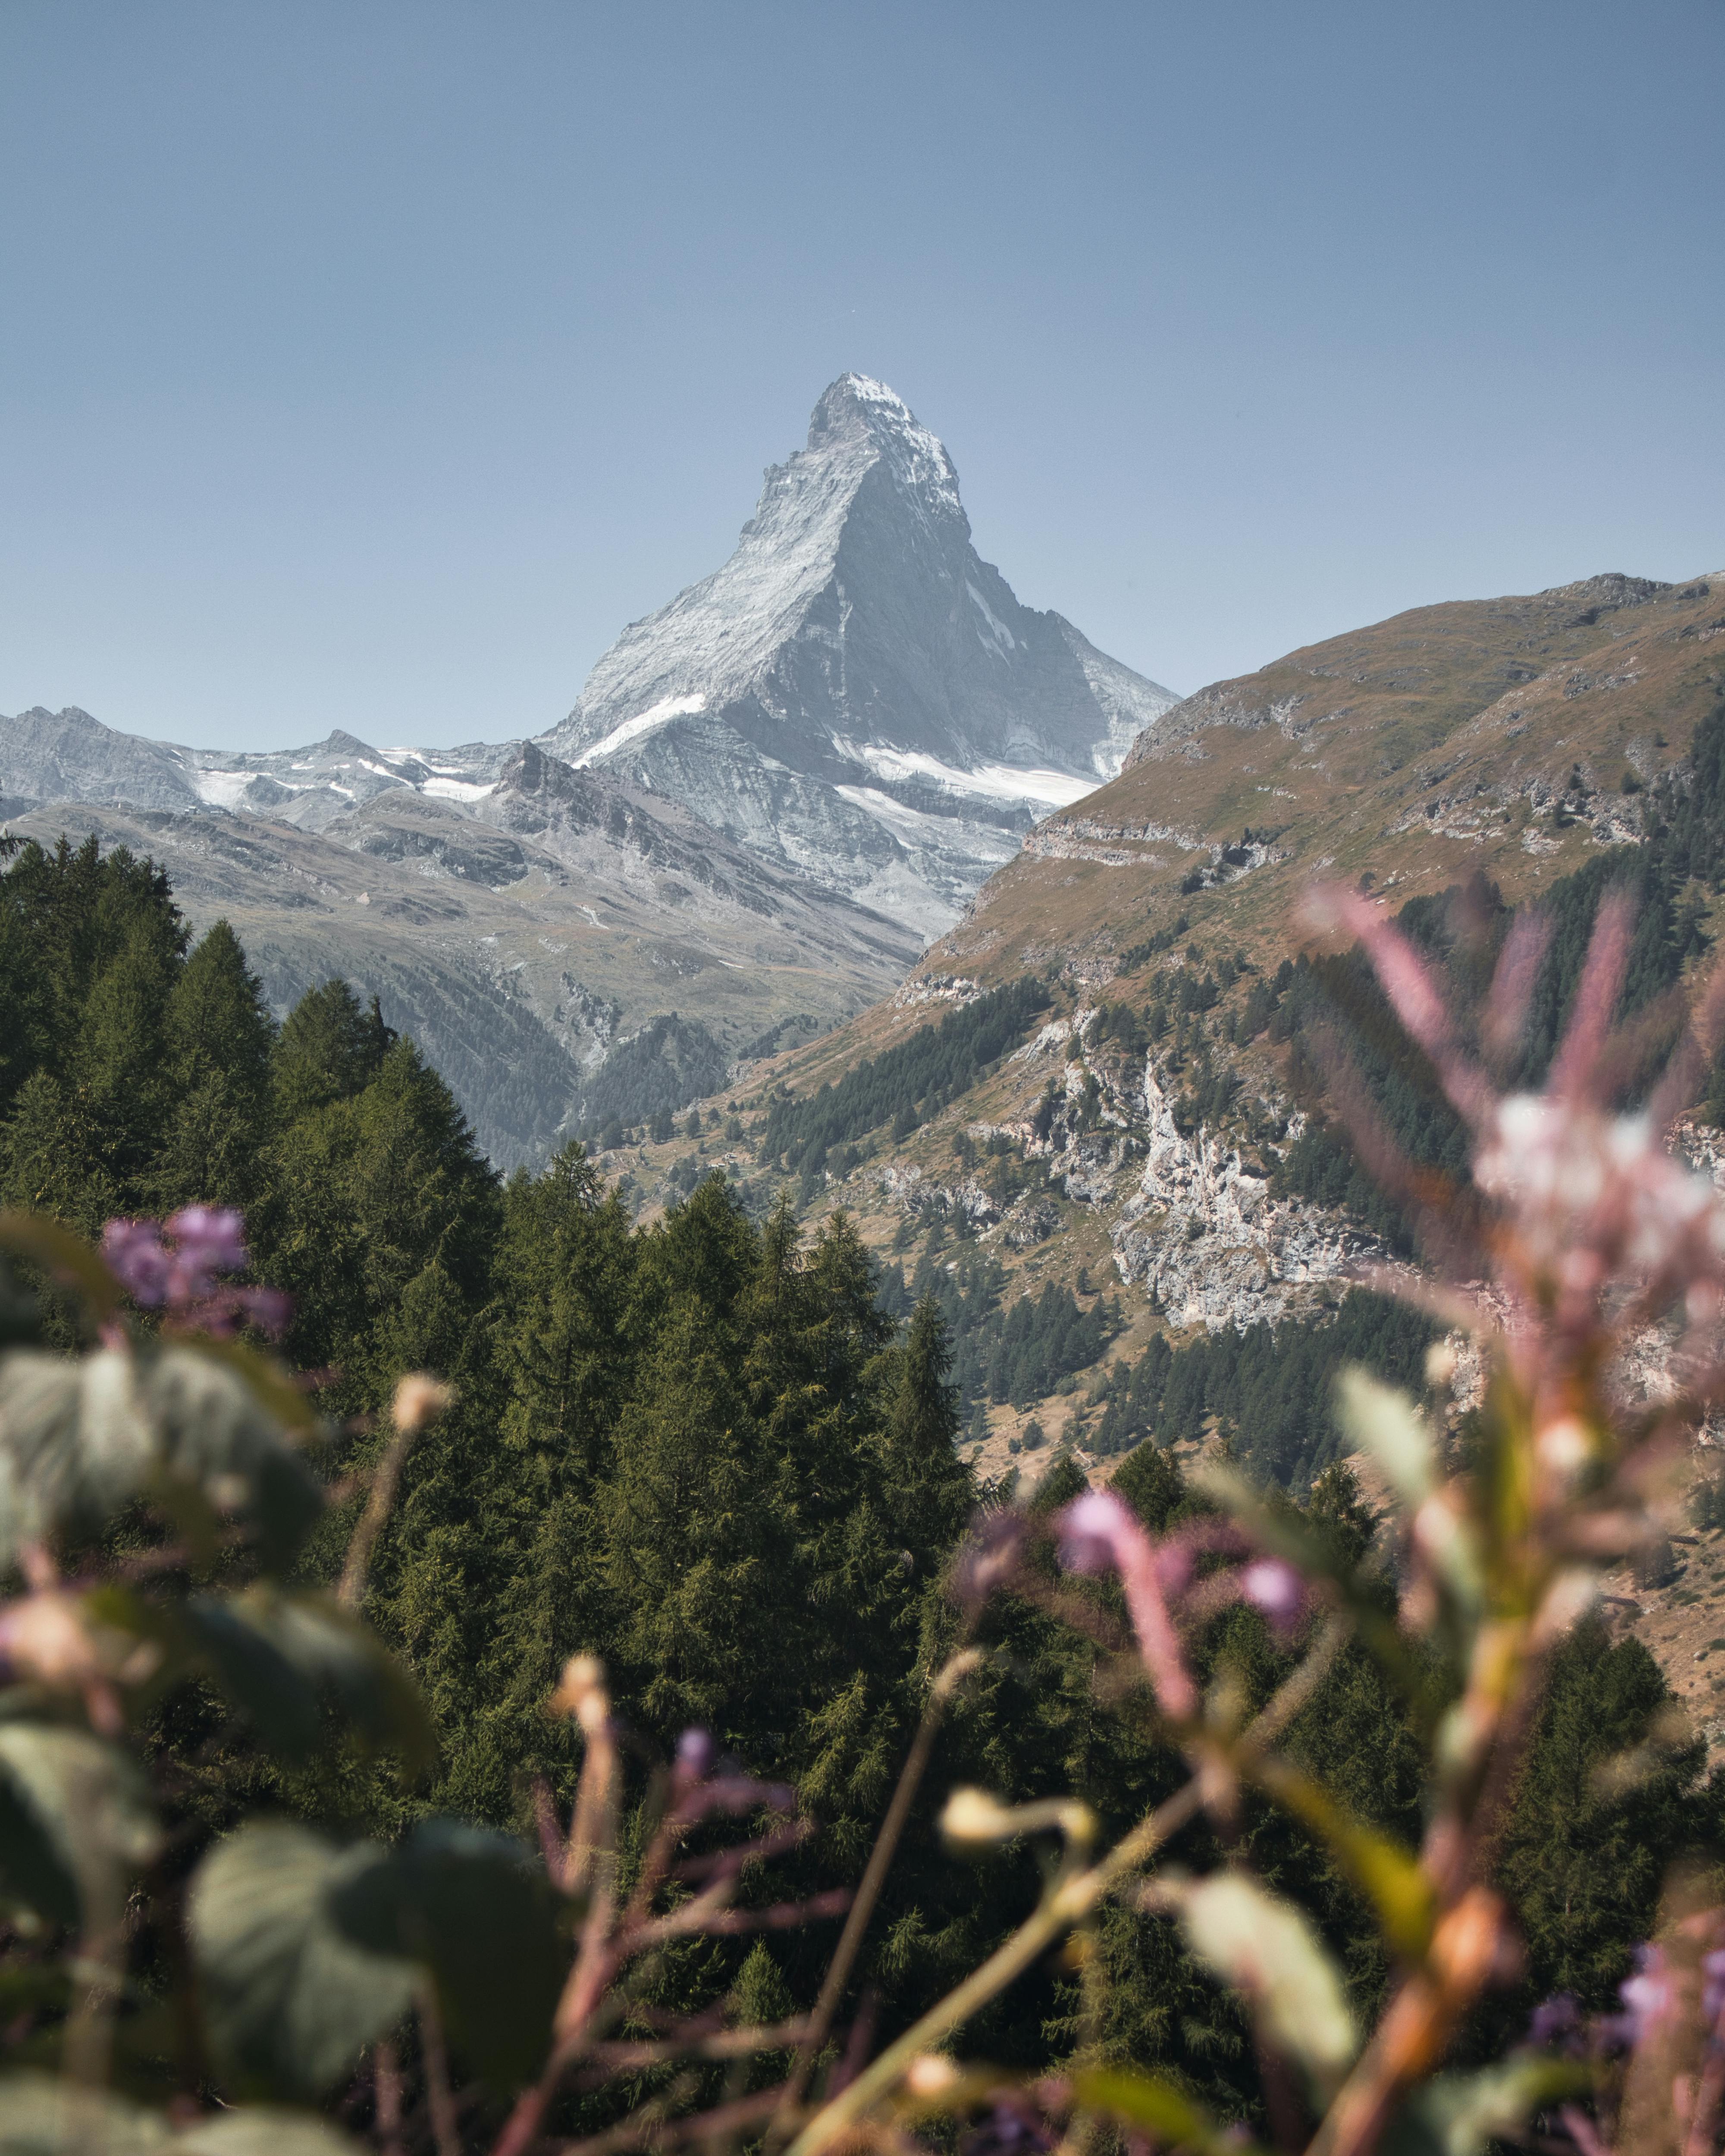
(1207, 1241)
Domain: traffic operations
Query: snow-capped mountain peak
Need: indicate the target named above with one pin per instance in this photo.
(854, 632)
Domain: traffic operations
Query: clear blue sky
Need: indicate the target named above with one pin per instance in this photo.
(370, 365)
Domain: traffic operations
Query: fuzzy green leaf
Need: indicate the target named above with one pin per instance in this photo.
(1384, 1423)
(42, 2115)
(75, 1820)
(1263, 1946)
(1382, 1870)
(283, 1656)
(1147, 2100)
(259, 2129)
(475, 1909)
(80, 1438)
(1458, 2114)
(291, 2001)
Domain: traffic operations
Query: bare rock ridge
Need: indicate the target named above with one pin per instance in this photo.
(856, 692)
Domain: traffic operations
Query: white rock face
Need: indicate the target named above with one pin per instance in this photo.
(1206, 1239)
(856, 692)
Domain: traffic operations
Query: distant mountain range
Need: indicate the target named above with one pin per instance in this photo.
(770, 794)
(562, 947)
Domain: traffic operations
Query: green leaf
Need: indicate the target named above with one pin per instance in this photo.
(1385, 1423)
(1458, 2114)
(75, 1821)
(277, 1698)
(1159, 2107)
(341, 1661)
(269, 1382)
(1382, 1870)
(290, 2002)
(214, 1431)
(261, 2130)
(475, 1909)
(1263, 1946)
(80, 1437)
(42, 2115)
(75, 1442)
(66, 1256)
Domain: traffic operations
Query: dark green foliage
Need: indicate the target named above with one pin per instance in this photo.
(1136, 954)
(904, 1085)
(715, 1469)
(670, 1062)
(330, 1049)
(1268, 1391)
(1119, 1024)
(1583, 1864)
(220, 1036)
(1150, 1481)
(91, 950)
(1017, 1354)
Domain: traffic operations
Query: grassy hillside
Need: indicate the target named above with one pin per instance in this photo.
(1143, 1148)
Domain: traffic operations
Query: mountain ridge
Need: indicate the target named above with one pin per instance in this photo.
(1140, 1133)
(526, 946)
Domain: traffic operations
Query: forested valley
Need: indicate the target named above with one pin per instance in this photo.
(711, 1451)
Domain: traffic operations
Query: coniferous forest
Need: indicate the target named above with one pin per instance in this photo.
(713, 1453)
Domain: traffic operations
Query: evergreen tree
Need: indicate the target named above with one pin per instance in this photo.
(693, 1548)
(220, 1035)
(931, 1493)
(329, 1050)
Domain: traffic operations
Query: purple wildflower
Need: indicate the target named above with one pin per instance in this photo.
(1276, 1588)
(175, 1266)
(208, 1240)
(1554, 2021)
(1647, 1996)
(136, 1257)
(269, 1309)
(1010, 2128)
(694, 1756)
(1713, 1990)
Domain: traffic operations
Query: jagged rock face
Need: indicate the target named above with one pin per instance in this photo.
(68, 756)
(855, 691)
(1207, 1241)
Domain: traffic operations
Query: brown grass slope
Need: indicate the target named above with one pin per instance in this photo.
(1514, 736)
(1453, 738)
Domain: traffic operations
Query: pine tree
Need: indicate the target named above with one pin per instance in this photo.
(931, 1492)
(330, 1049)
(219, 1021)
(693, 1553)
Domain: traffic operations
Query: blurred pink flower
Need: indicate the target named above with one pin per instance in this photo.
(1097, 1533)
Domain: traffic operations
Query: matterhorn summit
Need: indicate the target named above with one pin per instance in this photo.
(856, 693)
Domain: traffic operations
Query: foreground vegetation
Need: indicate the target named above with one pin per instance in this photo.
(370, 1734)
